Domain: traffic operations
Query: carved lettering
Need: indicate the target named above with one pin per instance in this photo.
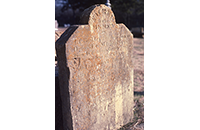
(100, 70)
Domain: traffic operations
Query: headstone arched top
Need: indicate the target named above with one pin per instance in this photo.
(98, 15)
(96, 72)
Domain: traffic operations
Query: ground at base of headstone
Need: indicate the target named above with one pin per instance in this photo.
(138, 120)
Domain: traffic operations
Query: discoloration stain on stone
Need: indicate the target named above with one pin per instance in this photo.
(98, 56)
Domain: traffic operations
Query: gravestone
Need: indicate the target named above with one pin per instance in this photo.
(95, 61)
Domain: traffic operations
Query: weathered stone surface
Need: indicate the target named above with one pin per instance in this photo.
(96, 72)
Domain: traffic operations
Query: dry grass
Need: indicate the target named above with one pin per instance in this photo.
(138, 120)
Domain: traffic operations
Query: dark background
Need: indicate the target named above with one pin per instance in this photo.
(129, 12)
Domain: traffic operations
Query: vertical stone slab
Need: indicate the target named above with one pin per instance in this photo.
(96, 72)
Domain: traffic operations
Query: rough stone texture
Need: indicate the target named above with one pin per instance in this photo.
(96, 72)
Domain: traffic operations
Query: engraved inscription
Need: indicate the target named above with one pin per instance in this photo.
(101, 78)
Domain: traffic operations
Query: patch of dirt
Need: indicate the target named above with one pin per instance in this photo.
(138, 64)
